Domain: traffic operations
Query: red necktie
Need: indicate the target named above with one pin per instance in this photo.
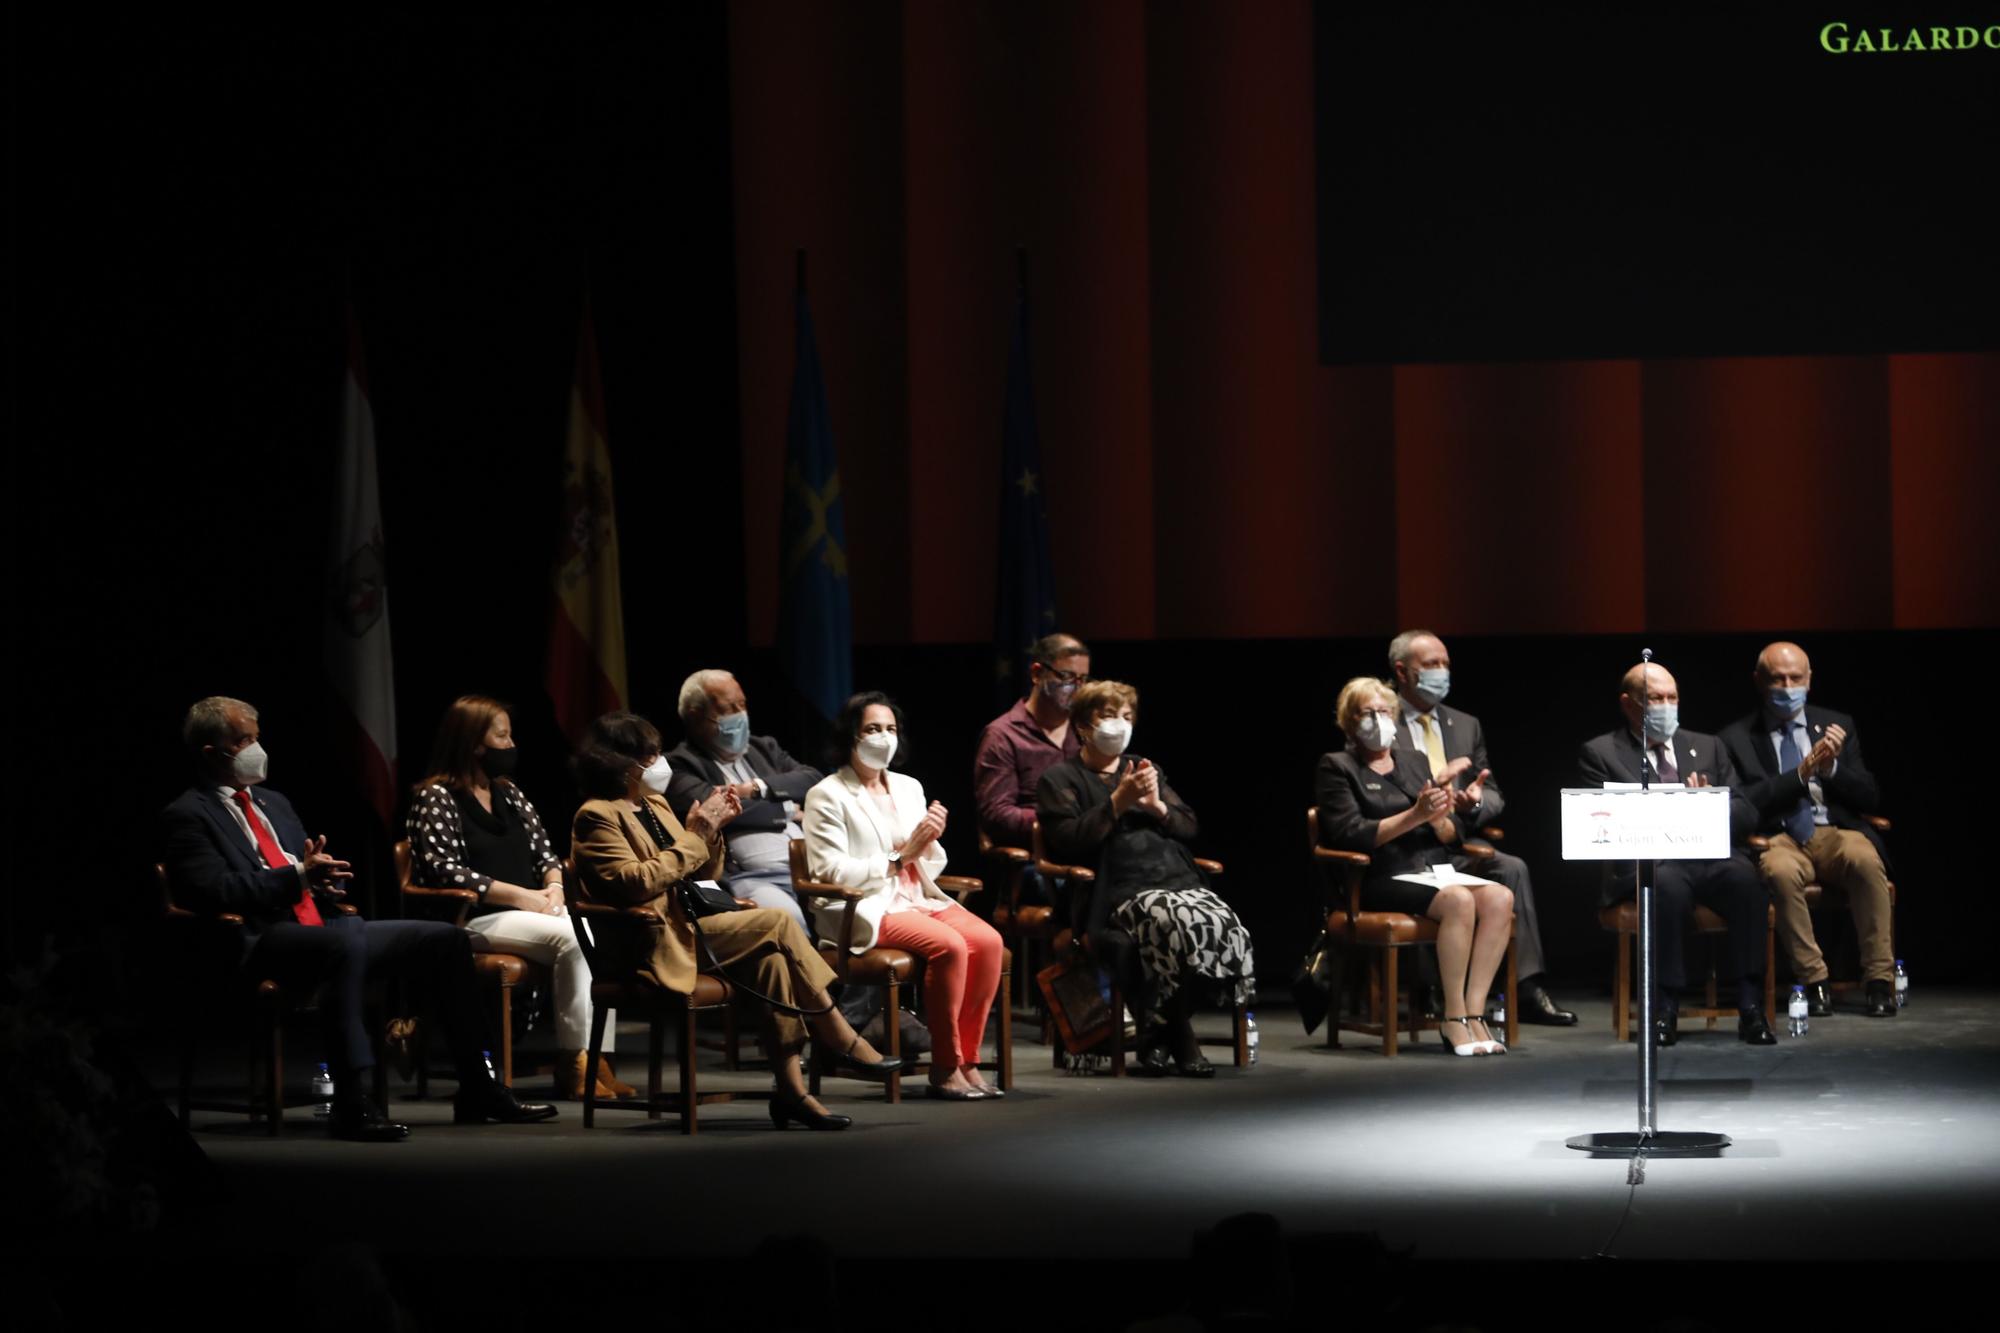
(305, 909)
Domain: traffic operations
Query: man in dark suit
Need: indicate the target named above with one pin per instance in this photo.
(1454, 746)
(1652, 739)
(1802, 769)
(232, 845)
(719, 751)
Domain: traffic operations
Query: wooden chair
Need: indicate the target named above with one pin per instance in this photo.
(1028, 928)
(503, 971)
(616, 942)
(1385, 935)
(1815, 895)
(891, 968)
(213, 945)
(1622, 919)
(1080, 876)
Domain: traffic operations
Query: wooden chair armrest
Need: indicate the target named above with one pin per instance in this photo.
(1877, 822)
(1343, 857)
(1476, 852)
(344, 909)
(610, 911)
(1081, 874)
(960, 887)
(1757, 842)
(1211, 867)
(1493, 833)
(424, 891)
(988, 847)
(183, 914)
(806, 888)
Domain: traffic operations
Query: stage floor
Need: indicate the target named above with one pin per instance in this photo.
(1866, 1140)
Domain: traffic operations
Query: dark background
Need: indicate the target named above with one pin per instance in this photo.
(1238, 528)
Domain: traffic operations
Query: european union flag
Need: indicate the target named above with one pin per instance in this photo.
(1024, 607)
(815, 618)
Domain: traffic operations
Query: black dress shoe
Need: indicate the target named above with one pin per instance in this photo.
(1819, 999)
(493, 1101)
(1667, 1028)
(360, 1121)
(1753, 1030)
(878, 1069)
(1881, 1000)
(1538, 1006)
(785, 1111)
(1199, 1067)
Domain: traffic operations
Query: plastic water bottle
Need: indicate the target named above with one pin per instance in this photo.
(486, 1058)
(1796, 1022)
(322, 1091)
(1902, 985)
(1499, 1008)
(1250, 1033)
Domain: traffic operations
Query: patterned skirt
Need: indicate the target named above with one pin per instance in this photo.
(1189, 935)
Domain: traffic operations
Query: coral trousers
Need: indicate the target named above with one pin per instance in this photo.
(961, 957)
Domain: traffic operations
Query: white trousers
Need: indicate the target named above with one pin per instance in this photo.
(551, 941)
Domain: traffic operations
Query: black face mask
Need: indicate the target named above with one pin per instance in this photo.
(500, 763)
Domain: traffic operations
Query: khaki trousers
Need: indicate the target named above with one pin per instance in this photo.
(1844, 862)
(766, 950)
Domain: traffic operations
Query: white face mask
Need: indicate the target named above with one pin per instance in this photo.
(249, 765)
(1111, 736)
(656, 775)
(876, 749)
(1377, 731)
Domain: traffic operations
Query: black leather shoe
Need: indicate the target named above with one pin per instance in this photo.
(1819, 999)
(1881, 1000)
(493, 1101)
(1538, 1006)
(887, 1065)
(1199, 1067)
(1667, 1029)
(785, 1111)
(1753, 1030)
(359, 1121)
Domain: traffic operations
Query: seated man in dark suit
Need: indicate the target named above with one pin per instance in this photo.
(230, 848)
(1652, 737)
(719, 751)
(1802, 769)
(1454, 746)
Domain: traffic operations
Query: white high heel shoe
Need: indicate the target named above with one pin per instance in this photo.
(1463, 1047)
(1491, 1044)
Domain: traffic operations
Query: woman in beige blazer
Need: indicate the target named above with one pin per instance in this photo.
(631, 851)
(870, 829)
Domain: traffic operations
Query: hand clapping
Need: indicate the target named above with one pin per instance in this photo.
(706, 817)
(928, 830)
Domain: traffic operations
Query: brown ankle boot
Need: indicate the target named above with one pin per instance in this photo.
(607, 1081)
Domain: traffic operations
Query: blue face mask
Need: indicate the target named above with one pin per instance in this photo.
(1787, 701)
(1434, 683)
(1662, 721)
(732, 732)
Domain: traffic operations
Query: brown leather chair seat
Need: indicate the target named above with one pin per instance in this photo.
(1381, 929)
(1028, 917)
(876, 967)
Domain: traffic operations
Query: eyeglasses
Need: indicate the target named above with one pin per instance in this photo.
(1065, 677)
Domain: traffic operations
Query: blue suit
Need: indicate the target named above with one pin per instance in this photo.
(214, 868)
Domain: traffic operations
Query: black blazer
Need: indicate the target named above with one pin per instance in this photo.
(1463, 739)
(214, 868)
(1073, 806)
(1850, 792)
(1353, 798)
(1616, 757)
(696, 774)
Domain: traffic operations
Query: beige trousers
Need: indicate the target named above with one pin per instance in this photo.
(766, 950)
(1843, 862)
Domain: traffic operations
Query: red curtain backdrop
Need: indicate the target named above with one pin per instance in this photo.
(1207, 477)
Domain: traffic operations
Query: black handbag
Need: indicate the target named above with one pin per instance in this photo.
(707, 899)
(1312, 984)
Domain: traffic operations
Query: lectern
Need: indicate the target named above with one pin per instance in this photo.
(1646, 825)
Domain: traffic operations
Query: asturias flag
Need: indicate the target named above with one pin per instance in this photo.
(815, 620)
(586, 675)
(1024, 603)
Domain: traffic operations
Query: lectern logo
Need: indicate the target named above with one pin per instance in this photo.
(1602, 826)
(1841, 39)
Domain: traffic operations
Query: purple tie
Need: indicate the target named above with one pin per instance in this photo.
(1665, 754)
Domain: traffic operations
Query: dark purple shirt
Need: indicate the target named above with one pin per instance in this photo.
(1013, 754)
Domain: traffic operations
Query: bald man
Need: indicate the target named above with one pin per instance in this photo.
(1802, 769)
(1652, 739)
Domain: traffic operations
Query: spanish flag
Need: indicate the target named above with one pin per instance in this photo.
(586, 675)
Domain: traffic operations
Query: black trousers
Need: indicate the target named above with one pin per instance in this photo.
(433, 958)
(1731, 889)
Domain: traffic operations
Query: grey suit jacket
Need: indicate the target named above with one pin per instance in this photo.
(1463, 739)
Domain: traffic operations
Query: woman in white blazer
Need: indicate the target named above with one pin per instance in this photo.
(868, 828)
